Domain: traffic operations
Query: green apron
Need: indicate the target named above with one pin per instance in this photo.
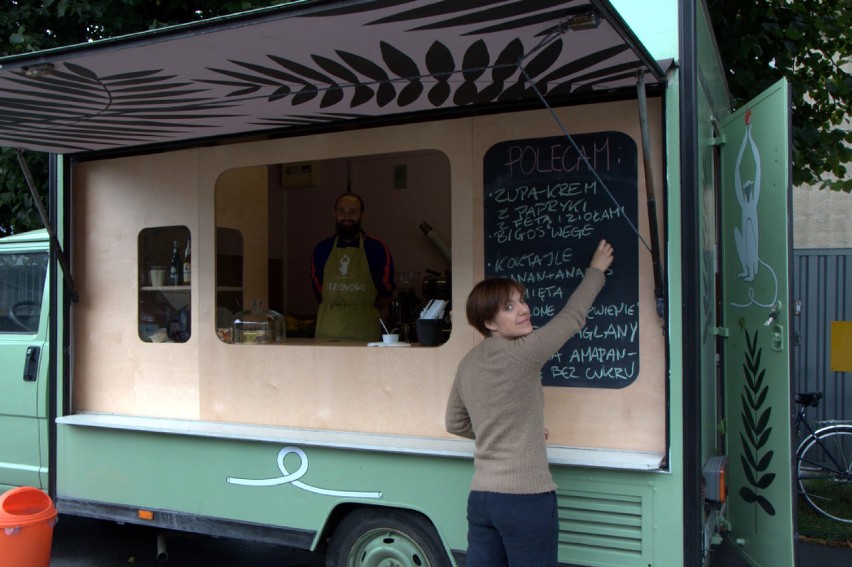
(348, 309)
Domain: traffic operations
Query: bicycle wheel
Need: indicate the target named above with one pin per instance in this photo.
(824, 472)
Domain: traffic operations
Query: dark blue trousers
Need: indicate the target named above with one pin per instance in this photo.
(512, 530)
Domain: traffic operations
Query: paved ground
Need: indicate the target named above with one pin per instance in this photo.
(810, 555)
(82, 542)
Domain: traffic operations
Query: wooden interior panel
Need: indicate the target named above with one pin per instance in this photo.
(300, 384)
(113, 201)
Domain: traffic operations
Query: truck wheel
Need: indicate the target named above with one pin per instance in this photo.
(385, 538)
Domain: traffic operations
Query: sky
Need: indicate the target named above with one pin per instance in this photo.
(654, 22)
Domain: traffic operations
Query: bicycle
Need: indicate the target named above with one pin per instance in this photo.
(824, 464)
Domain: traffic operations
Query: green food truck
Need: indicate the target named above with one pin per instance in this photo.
(159, 361)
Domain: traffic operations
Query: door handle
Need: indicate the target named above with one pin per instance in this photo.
(31, 364)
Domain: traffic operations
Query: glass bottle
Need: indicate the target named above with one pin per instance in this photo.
(187, 264)
(174, 266)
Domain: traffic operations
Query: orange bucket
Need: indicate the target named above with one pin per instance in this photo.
(27, 517)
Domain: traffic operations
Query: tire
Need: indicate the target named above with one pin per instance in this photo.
(826, 486)
(383, 537)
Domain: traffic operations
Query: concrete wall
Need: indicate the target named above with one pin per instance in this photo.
(821, 218)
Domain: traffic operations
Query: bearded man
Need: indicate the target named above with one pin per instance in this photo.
(352, 274)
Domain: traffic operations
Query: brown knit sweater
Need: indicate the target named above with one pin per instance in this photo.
(497, 399)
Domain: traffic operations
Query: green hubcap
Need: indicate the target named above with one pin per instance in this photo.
(386, 548)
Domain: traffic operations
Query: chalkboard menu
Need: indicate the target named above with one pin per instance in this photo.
(545, 212)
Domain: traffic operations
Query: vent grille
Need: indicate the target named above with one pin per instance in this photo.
(598, 522)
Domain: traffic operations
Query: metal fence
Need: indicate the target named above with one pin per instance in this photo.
(822, 283)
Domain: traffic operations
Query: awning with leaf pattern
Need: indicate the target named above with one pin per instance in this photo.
(316, 63)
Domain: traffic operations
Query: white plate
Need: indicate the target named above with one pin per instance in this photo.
(390, 345)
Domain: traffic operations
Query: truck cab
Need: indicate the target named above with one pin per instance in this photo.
(24, 316)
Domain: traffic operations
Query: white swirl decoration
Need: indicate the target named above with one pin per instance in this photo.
(294, 478)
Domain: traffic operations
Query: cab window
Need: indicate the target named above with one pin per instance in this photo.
(22, 278)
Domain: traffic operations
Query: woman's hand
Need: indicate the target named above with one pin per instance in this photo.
(602, 259)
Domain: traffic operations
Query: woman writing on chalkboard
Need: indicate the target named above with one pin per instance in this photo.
(498, 401)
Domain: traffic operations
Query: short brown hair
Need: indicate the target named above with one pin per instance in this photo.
(487, 298)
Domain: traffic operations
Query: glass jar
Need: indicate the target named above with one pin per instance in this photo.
(147, 326)
(257, 325)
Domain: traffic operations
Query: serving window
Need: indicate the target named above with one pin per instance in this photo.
(270, 218)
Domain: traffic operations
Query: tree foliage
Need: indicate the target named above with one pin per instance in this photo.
(17, 207)
(806, 41)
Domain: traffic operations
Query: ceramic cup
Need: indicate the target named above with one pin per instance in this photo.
(158, 276)
(390, 339)
(429, 331)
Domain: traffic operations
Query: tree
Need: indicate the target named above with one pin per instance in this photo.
(806, 41)
(29, 25)
(17, 208)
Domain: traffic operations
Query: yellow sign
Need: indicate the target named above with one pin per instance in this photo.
(841, 346)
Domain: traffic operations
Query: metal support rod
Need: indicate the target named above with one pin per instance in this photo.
(651, 199)
(54, 242)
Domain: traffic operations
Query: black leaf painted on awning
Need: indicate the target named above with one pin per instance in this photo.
(385, 92)
(439, 61)
(363, 65)
(149, 74)
(363, 94)
(489, 93)
(474, 64)
(476, 60)
(245, 77)
(280, 92)
(440, 64)
(507, 61)
(406, 68)
(269, 75)
(336, 69)
(50, 88)
(514, 92)
(583, 63)
(81, 71)
(332, 96)
(465, 94)
(410, 93)
(398, 62)
(544, 59)
(439, 93)
(307, 94)
(303, 70)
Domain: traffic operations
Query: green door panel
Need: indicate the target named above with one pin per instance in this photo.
(23, 365)
(755, 248)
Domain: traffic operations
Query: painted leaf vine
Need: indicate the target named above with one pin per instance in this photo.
(756, 431)
(139, 105)
(401, 80)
